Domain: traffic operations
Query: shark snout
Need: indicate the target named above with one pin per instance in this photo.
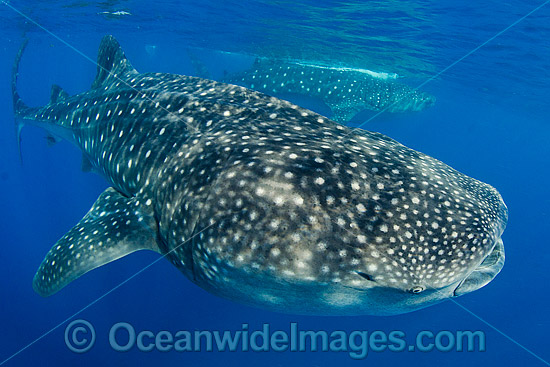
(484, 273)
(424, 101)
(412, 101)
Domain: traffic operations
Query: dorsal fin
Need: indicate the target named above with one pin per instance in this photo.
(87, 165)
(200, 68)
(112, 64)
(57, 94)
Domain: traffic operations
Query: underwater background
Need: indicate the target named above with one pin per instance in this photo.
(490, 121)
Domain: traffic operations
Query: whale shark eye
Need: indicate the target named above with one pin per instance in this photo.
(366, 276)
(417, 289)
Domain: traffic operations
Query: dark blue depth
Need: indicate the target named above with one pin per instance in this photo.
(490, 122)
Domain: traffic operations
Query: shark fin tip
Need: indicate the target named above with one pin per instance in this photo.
(109, 231)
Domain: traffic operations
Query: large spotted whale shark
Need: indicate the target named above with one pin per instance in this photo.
(263, 202)
(345, 91)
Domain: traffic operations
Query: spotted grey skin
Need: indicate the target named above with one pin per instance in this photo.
(263, 202)
(345, 91)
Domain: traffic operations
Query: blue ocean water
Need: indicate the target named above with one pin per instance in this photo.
(490, 121)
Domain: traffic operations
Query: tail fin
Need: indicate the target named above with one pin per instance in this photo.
(18, 105)
(111, 63)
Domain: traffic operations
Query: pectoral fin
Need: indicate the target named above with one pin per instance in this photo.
(114, 227)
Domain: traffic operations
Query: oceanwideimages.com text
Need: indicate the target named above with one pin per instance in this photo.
(123, 337)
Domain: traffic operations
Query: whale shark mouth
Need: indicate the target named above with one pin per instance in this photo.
(484, 273)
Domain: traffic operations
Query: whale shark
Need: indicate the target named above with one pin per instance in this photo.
(345, 91)
(263, 202)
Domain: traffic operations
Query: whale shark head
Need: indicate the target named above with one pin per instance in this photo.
(410, 100)
(366, 226)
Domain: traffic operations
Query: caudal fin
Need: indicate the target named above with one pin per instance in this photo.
(18, 105)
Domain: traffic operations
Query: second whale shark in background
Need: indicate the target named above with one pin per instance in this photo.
(263, 202)
(346, 91)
